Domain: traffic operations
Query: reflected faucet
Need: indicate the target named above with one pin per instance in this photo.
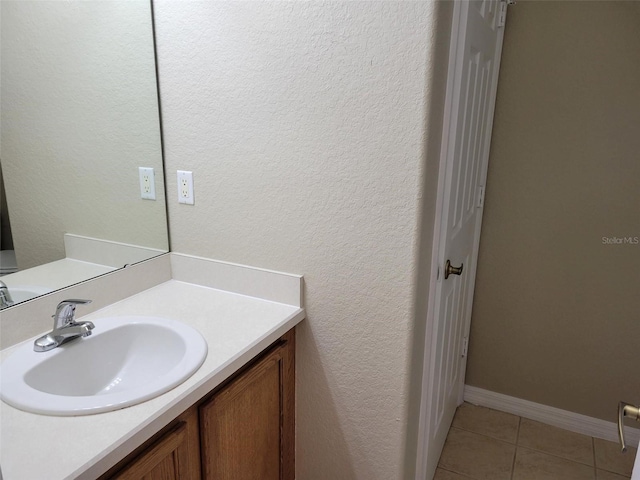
(5, 296)
(65, 328)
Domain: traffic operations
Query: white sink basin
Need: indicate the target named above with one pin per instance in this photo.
(126, 361)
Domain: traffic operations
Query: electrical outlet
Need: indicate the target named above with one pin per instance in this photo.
(147, 183)
(185, 187)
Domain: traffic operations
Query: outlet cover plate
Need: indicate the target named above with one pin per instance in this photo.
(185, 187)
(147, 183)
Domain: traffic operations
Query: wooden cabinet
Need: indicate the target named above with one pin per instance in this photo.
(243, 430)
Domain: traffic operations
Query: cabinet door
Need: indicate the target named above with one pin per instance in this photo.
(247, 427)
(173, 456)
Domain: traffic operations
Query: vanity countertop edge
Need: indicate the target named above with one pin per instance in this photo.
(236, 327)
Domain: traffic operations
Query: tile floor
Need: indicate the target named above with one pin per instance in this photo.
(485, 444)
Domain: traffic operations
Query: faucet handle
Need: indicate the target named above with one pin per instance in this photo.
(73, 301)
(65, 311)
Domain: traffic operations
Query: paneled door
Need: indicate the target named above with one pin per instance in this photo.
(471, 91)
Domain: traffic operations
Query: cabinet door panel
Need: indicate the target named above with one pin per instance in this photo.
(243, 428)
(246, 428)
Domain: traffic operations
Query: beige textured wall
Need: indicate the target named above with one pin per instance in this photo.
(556, 315)
(79, 116)
(303, 124)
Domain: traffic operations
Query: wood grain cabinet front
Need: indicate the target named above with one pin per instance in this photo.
(247, 427)
(243, 430)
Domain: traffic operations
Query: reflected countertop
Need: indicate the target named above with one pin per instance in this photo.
(55, 275)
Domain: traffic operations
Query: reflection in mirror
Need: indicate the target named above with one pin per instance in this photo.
(79, 110)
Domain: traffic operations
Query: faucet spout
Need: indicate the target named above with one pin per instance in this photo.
(56, 338)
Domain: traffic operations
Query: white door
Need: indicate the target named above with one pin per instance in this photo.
(471, 91)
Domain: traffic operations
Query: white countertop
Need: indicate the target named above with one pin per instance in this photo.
(636, 468)
(236, 327)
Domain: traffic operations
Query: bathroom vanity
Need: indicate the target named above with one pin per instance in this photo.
(234, 414)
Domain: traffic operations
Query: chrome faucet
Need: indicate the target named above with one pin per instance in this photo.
(65, 328)
(5, 296)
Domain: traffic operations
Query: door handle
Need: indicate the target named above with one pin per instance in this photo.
(626, 410)
(449, 270)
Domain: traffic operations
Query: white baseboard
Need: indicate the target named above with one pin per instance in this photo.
(574, 422)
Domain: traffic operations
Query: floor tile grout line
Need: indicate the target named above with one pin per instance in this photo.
(483, 435)
(457, 473)
(550, 454)
(466, 475)
(517, 445)
(492, 410)
(593, 453)
(546, 452)
(603, 468)
(515, 452)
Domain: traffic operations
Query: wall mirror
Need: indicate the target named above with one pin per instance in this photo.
(79, 116)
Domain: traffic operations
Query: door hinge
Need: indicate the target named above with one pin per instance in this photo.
(502, 14)
(480, 196)
(465, 346)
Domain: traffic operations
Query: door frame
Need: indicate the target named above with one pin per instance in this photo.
(453, 85)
